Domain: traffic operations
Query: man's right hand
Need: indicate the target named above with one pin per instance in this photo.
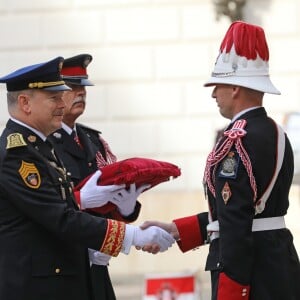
(94, 195)
(156, 239)
(169, 227)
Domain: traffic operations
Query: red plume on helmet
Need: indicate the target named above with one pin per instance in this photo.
(249, 41)
(243, 59)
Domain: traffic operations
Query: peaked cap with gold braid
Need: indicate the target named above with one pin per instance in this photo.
(44, 76)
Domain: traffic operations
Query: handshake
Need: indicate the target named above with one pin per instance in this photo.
(149, 237)
(152, 237)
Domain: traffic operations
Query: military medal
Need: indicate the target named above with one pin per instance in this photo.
(226, 192)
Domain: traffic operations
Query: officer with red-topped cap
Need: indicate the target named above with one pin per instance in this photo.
(247, 180)
(44, 236)
(83, 151)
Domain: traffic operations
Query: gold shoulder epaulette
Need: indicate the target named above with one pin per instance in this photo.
(15, 140)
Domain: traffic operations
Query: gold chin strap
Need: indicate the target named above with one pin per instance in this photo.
(40, 85)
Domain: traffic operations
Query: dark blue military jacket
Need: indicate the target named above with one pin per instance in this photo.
(80, 162)
(266, 260)
(43, 236)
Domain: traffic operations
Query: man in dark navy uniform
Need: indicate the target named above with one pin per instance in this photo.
(44, 237)
(247, 180)
(83, 150)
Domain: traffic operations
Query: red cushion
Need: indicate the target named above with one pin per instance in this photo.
(139, 171)
(134, 170)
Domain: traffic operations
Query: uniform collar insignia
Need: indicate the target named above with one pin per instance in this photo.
(31, 138)
(57, 135)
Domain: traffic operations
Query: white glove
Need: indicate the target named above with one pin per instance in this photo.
(93, 195)
(135, 236)
(126, 199)
(98, 258)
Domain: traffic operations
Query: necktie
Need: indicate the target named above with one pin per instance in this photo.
(51, 149)
(76, 138)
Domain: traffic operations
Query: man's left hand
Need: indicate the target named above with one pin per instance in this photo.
(126, 199)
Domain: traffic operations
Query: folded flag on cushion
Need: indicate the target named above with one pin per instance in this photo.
(136, 170)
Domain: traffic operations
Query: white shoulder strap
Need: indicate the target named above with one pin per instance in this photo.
(261, 203)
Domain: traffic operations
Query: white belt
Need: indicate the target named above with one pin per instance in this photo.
(257, 225)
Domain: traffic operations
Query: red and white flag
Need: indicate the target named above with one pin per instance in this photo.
(179, 286)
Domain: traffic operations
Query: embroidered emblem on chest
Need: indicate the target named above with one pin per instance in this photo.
(229, 165)
(226, 192)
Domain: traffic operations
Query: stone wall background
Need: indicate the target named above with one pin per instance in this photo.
(151, 58)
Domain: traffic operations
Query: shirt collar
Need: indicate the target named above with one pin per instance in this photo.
(242, 112)
(67, 129)
(40, 134)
